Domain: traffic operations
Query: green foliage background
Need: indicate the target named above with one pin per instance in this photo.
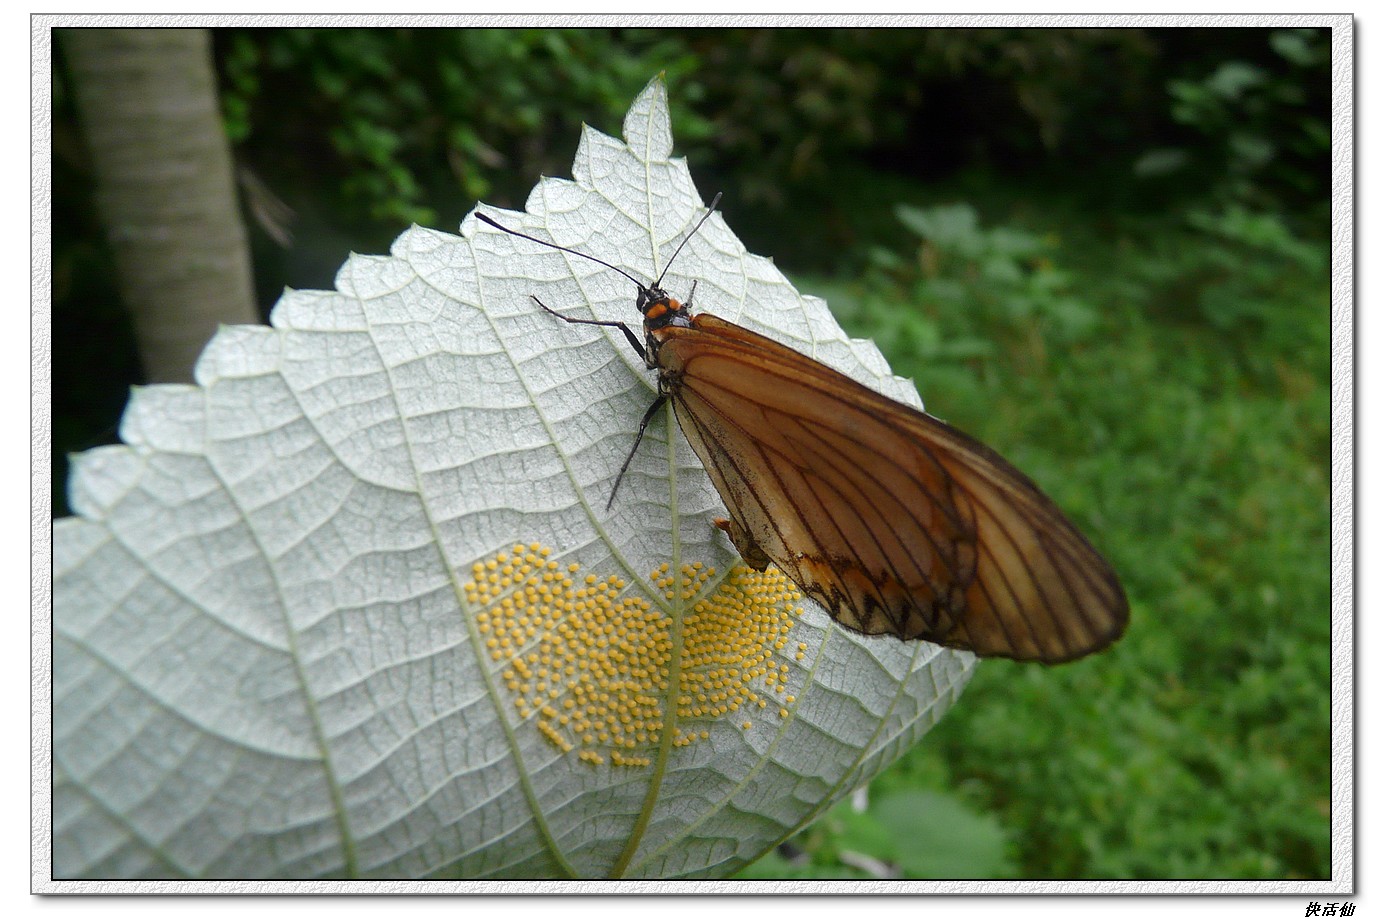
(1104, 252)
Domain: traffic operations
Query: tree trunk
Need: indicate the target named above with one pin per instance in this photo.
(165, 190)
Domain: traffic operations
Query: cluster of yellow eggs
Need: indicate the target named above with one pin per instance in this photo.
(590, 666)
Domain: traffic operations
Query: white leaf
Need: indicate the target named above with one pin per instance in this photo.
(273, 655)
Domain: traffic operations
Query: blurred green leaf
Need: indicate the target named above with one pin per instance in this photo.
(1160, 162)
(953, 227)
(937, 836)
(1233, 78)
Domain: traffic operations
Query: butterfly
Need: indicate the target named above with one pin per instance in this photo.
(894, 521)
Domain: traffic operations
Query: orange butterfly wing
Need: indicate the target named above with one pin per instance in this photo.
(894, 521)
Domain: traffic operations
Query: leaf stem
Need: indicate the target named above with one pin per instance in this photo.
(669, 731)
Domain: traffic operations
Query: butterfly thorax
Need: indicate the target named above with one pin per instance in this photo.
(660, 311)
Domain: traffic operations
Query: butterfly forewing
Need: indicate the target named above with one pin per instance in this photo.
(895, 522)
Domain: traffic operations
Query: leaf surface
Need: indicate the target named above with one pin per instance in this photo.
(353, 604)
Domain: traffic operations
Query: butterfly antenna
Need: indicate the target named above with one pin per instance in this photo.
(710, 208)
(495, 224)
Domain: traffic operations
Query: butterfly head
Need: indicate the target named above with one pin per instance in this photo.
(660, 310)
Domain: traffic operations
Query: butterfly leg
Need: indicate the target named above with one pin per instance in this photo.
(648, 415)
(629, 334)
(750, 551)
